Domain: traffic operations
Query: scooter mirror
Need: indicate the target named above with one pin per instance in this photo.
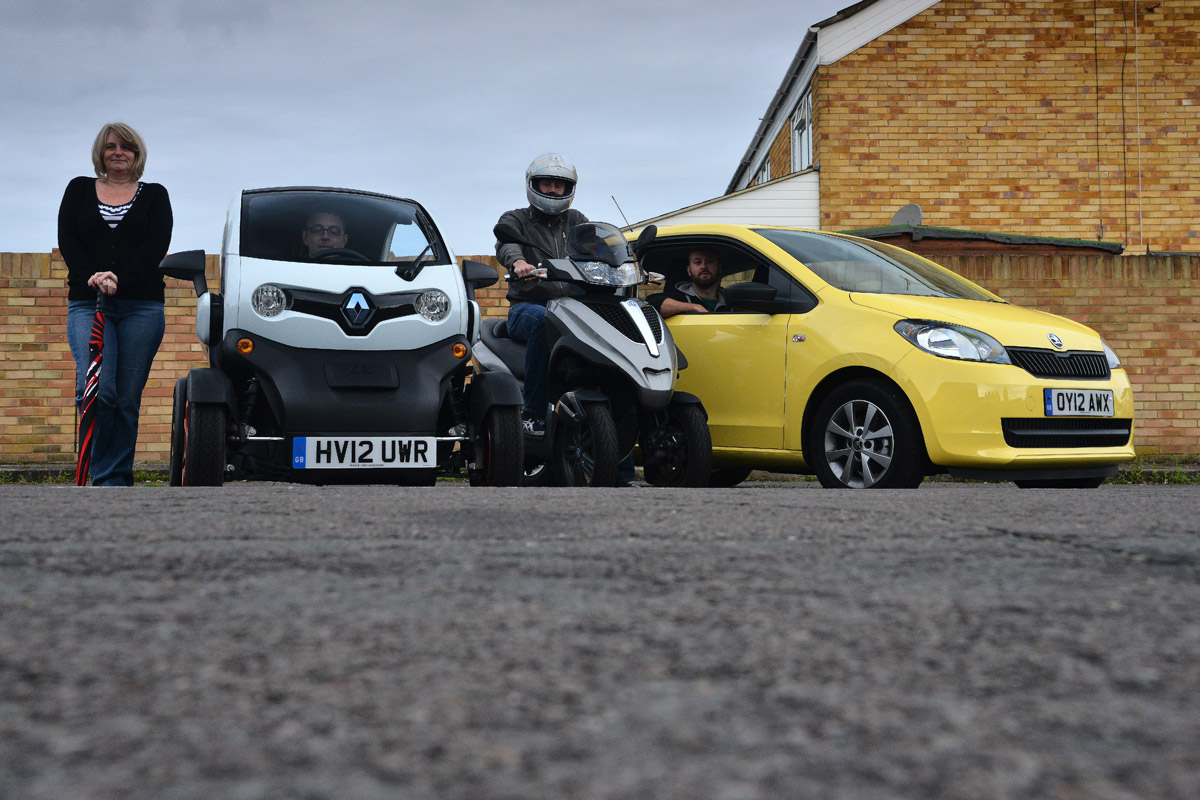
(507, 234)
(645, 237)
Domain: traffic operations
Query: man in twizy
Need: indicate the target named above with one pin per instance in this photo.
(550, 186)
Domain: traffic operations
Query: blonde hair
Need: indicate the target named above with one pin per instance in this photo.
(129, 139)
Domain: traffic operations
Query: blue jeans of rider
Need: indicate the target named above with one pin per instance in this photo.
(133, 330)
(527, 323)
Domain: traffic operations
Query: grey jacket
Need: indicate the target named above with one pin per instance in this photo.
(546, 232)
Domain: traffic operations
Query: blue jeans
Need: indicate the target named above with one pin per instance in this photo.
(527, 323)
(133, 330)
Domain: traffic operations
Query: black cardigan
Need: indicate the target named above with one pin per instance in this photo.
(132, 250)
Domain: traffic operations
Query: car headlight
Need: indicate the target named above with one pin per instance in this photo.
(433, 305)
(269, 300)
(952, 341)
(1113, 361)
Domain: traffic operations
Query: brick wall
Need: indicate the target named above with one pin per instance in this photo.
(1148, 308)
(1075, 120)
(37, 379)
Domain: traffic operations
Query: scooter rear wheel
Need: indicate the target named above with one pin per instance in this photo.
(585, 447)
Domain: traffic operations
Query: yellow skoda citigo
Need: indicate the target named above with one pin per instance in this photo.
(873, 367)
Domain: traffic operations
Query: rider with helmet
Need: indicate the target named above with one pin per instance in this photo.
(550, 186)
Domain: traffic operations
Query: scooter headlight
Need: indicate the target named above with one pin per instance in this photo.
(952, 341)
(269, 300)
(434, 305)
(601, 274)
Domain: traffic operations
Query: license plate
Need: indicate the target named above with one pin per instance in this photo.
(365, 452)
(1078, 402)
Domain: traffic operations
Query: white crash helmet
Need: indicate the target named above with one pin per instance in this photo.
(550, 165)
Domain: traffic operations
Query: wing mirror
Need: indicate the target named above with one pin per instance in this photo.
(187, 265)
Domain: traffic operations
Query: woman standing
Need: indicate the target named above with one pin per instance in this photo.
(113, 230)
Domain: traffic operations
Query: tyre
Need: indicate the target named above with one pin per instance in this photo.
(585, 445)
(537, 473)
(680, 453)
(726, 477)
(1060, 483)
(499, 449)
(178, 433)
(204, 449)
(866, 436)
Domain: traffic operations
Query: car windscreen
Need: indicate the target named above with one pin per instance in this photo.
(337, 228)
(859, 265)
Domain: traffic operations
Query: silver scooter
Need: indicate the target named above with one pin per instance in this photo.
(612, 370)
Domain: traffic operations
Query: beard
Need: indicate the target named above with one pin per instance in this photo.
(705, 280)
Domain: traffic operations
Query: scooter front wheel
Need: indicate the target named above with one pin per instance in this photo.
(585, 445)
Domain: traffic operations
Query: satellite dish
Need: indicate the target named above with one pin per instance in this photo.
(908, 215)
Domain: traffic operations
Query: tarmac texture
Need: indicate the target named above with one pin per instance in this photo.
(264, 641)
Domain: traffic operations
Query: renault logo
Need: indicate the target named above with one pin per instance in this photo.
(1054, 340)
(357, 308)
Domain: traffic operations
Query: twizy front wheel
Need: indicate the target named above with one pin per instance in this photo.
(498, 449)
(679, 453)
(178, 432)
(865, 436)
(584, 444)
(204, 460)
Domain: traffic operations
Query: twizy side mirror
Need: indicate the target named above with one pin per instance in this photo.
(477, 275)
(187, 265)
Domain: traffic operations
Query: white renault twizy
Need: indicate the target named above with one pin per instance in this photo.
(339, 350)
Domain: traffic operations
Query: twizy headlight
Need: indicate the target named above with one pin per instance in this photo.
(601, 274)
(434, 305)
(952, 341)
(268, 300)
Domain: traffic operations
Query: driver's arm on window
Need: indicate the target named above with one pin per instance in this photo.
(671, 307)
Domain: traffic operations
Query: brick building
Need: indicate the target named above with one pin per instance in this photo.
(1077, 120)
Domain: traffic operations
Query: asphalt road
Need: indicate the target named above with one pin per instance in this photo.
(772, 641)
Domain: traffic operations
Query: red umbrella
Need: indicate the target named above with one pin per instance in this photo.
(91, 387)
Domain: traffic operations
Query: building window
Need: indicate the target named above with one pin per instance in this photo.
(802, 134)
(764, 173)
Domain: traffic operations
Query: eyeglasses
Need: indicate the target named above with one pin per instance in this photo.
(318, 230)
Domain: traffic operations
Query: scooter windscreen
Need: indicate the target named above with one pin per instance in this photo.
(601, 254)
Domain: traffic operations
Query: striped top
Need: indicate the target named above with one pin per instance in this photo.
(114, 214)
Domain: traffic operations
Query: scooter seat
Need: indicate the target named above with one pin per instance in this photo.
(494, 333)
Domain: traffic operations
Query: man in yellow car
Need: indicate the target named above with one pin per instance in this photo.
(701, 292)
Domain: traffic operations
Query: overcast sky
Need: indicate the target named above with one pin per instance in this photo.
(444, 101)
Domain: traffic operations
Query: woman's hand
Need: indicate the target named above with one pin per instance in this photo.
(104, 282)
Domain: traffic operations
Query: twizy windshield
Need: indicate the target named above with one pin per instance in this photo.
(598, 241)
(337, 227)
(871, 267)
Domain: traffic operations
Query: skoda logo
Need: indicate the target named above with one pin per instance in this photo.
(357, 309)
(1054, 340)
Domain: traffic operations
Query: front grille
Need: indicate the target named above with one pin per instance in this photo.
(1052, 364)
(1066, 432)
(616, 315)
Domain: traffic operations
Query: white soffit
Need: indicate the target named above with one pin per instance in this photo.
(844, 37)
